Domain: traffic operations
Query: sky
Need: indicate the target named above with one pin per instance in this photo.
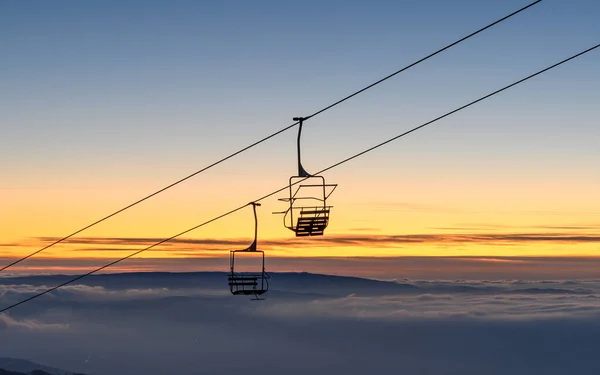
(104, 103)
(186, 324)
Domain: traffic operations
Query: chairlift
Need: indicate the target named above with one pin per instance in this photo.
(248, 283)
(308, 212)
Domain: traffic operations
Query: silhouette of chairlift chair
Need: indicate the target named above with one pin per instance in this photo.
(308, 214)
(248, 283)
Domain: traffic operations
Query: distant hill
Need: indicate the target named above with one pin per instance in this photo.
(34, 372)
(286, 282)
(17, 366)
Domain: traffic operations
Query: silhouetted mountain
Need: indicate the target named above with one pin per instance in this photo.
(34, 372)
(280, 283)
(6, 372)
(18, 366)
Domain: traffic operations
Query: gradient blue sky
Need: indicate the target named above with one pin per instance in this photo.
(104, 102)
(123, 81)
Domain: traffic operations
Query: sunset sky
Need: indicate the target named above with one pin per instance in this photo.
(100, 108)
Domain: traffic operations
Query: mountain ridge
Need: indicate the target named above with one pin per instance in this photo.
(20, 366)
(295, 282)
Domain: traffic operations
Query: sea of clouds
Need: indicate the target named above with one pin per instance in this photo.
(189, 324)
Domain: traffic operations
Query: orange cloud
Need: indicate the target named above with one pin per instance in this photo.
(346, 240)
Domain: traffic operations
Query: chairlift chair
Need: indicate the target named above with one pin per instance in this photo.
(248, 283)
(308, 212)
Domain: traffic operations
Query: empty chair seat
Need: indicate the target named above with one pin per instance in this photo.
(243, 281)
(312, 222)
(244, 284)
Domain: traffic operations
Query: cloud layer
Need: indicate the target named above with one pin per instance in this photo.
(188, 324)
(7, 322)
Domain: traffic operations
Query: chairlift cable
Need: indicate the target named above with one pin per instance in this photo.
(418, 61)
(264, 139)
(286, 187)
